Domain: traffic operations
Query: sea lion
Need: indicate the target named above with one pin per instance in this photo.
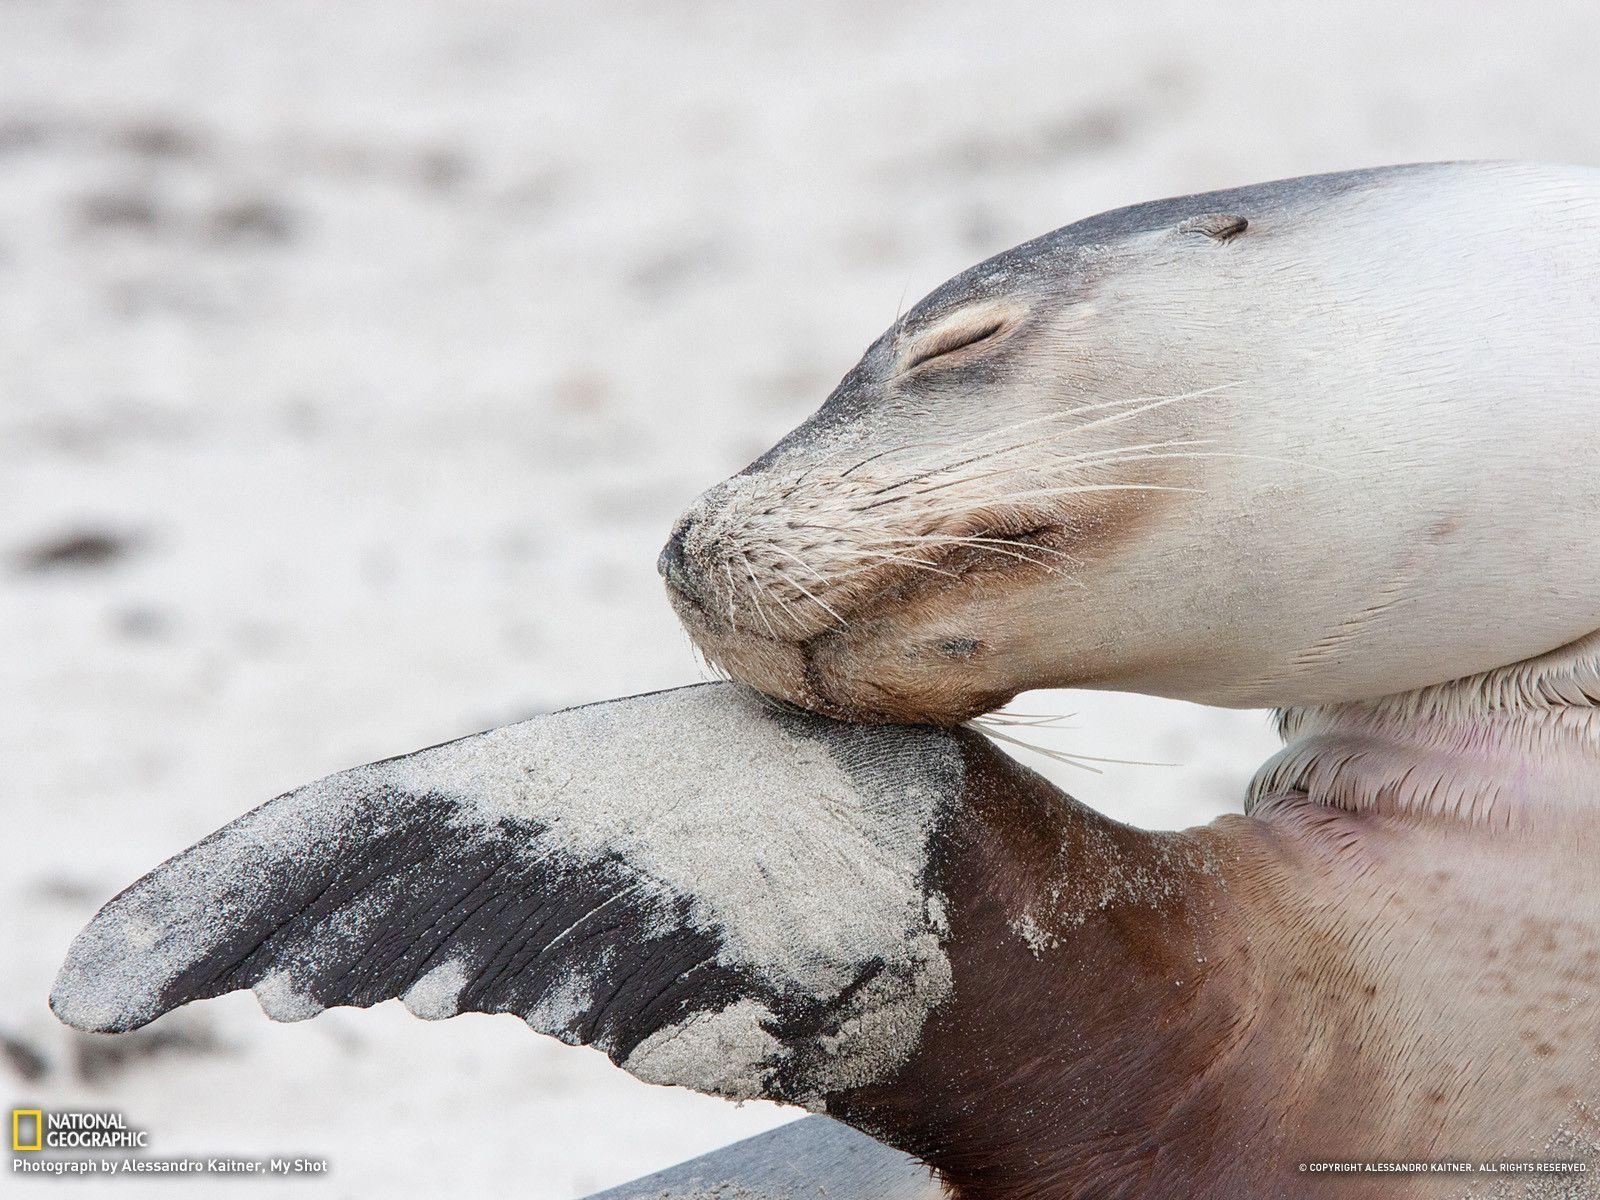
(1392, 957)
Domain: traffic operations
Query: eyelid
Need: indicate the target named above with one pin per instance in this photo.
(957, 337)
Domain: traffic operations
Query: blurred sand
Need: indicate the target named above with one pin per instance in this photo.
(355, 359)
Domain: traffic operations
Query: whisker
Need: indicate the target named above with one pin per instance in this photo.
(755, 599)
(1103, 457)
(1055, 755)
(789, 554)
(934, 539)
(709, 670)
(863, 550)
(1080, 761)
(1158, 402)
(1128, 405)
(757, 592)
(1009, 554)
(1120, 762)
(1083, 456)
(801, 588)
(732, 591)
(1300, 464)
(854, 467)
(1035, 720)
(990, 544)
(952, 539)
(1040, 493)
(1136, 404)
(1098, 406)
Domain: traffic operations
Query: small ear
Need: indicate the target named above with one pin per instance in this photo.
(1219, 227)
(716, 894)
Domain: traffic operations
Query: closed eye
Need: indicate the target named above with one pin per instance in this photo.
(948, 341)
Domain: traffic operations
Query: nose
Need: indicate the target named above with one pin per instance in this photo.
(672, 564)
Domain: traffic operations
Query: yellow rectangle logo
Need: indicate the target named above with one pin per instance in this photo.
(18, 1117)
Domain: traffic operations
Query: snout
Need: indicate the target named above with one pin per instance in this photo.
(907, 649)
(673, 563)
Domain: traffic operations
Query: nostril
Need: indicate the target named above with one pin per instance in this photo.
(672, 564)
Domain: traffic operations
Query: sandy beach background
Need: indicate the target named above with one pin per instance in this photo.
(355, 359)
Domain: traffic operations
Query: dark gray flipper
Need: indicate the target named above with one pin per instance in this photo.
(715, 893)
(802, 1161)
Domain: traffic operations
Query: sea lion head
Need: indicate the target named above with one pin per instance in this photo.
(1228, 448)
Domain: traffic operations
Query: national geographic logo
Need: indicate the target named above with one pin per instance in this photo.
(27, 1129)
(35, 1129)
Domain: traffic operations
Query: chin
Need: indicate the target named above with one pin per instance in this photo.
(872, 670)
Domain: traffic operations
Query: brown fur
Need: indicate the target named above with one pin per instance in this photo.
(1195, 1014)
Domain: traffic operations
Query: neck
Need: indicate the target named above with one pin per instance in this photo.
(1499, 749)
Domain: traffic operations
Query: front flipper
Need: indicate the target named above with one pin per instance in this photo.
(715, 893)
